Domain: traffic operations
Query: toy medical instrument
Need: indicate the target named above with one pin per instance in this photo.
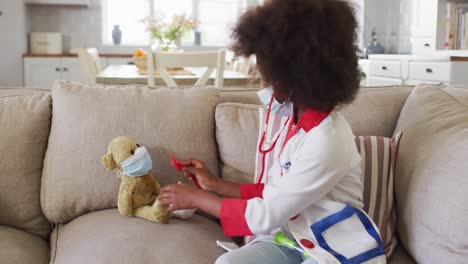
(270, 145)
(281, 239)
(178, 167)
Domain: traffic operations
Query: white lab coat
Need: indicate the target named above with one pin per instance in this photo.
(317, 175)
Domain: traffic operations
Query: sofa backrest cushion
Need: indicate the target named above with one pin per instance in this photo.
(167, 121)
(375, 111)
(25, 125)
(237, 134)
(432, 174)
(239, 95)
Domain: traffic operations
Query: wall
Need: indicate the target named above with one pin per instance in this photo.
(81, 26)
(14, 42)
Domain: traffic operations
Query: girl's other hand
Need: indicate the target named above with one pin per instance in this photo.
(178, 196)
(206, 180)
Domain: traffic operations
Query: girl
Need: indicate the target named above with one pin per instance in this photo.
(306, 51)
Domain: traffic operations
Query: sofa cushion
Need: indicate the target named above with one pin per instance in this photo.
(236, 134)
(17, 246)
(25, 120)
(431, 179)
(168, 121)
(107, 237)
(239, 95)
(375, 111)
(378, 160)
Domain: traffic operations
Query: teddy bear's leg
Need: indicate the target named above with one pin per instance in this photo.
(149, 213)
(159, 212)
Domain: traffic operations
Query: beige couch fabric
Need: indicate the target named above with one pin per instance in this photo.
(107, 237)
(168, 121)
(375, 110)
(432, 175)
(400, 256)
(237, 135)
(17, 246)
(239, 95)
(25, 124)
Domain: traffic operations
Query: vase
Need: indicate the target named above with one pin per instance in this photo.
(178, 42)
(197, 38)
(117, 35)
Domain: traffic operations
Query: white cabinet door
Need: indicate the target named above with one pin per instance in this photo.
(59, 2)
(71, 70)
(42, 72)
(424, 18)
(379, 81)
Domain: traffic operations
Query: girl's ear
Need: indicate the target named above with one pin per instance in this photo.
(108, 162)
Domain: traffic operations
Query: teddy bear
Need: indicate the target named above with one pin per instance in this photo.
(138, 187)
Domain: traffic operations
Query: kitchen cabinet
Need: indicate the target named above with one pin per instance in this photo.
(42, 72)
(424, 16)
(429, 25)
(71, 70)
(424, 26)
(59, 2)
(387, 70)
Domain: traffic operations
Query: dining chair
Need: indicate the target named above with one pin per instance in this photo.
(212, 60)
(90, 64)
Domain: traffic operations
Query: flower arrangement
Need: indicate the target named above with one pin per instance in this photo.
(167, 33)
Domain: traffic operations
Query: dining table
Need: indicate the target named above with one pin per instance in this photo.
(130, 74)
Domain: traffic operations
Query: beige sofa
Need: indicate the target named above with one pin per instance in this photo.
(57, 203)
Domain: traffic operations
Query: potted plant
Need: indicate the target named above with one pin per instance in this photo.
(168, 35)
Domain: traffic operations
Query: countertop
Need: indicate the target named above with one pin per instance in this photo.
(71, 55)
(436, 57)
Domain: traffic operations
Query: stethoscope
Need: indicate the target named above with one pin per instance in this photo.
(270, 145)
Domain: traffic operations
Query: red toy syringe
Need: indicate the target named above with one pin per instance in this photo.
(178, 166)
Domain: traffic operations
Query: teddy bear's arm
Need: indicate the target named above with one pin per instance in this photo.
(124, 202)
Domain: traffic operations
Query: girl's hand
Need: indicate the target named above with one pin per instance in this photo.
(204, 177)
(178, 196)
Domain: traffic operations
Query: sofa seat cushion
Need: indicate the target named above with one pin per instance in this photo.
(107, 237)
(25, 125)
(167, 121)
(431, 180)
(20, 247)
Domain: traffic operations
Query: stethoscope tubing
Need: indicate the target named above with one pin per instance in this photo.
(262, 139)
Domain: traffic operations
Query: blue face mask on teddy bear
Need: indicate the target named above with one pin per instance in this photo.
(139, 164)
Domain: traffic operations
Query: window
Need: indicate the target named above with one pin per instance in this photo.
(216, 18)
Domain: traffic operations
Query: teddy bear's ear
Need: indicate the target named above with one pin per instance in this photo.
(108, 162)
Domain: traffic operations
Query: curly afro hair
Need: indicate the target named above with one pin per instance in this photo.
(305, 48)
